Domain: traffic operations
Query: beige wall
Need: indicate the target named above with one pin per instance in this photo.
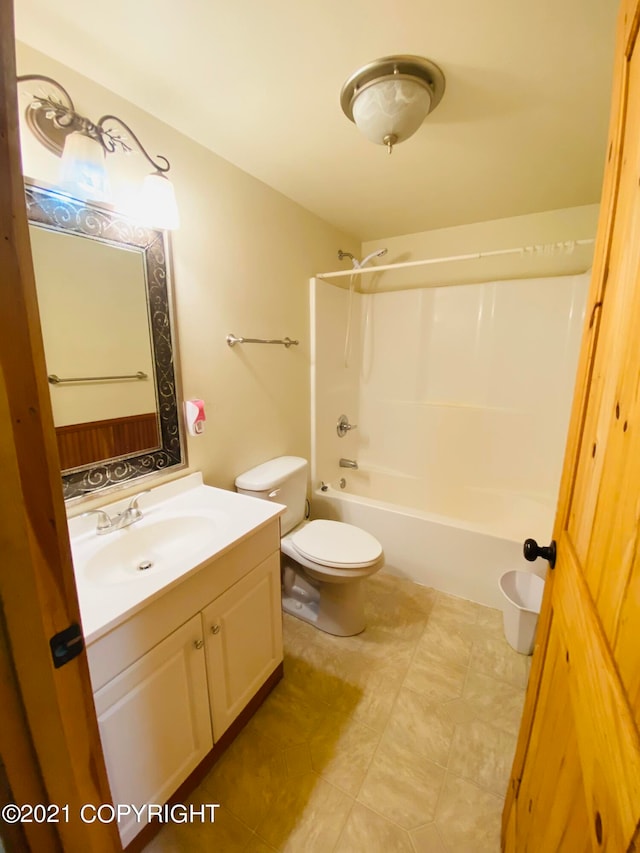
(242, 259)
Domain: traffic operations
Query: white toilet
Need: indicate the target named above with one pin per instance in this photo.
(323, 562)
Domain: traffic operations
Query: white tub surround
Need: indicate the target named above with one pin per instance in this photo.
(462, 397)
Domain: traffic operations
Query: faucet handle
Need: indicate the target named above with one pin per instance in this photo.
(133, 508)
(343, 426)
(104, 521)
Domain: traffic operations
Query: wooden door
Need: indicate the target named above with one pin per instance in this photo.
(575, 783)
(155, 723)
(49, 738)
(243, 633)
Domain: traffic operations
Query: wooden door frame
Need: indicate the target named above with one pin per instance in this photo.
(49, 738)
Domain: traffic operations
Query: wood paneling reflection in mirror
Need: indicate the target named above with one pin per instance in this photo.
(87, 443)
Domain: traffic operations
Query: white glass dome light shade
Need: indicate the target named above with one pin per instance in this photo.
(393, 107)
(83, 173)
(389, 98)
(158, 207)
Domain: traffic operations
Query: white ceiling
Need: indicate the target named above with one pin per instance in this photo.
(521, 128)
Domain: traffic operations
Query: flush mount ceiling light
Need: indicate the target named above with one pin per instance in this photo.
(388, 99)
(83, 146)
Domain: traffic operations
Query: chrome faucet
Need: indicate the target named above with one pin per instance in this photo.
(131, 514)
(128, 516)
(348, 463)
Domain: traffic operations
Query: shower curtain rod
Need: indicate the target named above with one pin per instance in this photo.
(538, 249)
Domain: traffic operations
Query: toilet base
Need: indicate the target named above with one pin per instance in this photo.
(336, 609)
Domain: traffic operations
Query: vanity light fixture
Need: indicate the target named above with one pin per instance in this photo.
(389, 98)
(83, 145)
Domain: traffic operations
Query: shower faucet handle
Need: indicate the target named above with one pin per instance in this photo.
(343, 426)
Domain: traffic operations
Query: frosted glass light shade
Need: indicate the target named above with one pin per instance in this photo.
(392, 107)
(158, 203)
(83, 173)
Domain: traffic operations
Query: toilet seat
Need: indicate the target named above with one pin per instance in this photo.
(336, 544)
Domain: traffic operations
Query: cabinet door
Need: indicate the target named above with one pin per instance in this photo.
(243, 632)
(154, 722)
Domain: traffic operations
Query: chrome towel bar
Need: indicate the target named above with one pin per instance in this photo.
(56, 380)
(232, 340)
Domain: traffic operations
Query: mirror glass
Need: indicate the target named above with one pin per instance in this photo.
(103, 296)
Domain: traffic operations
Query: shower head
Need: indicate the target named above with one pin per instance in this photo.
(377, 254)
(357, 265)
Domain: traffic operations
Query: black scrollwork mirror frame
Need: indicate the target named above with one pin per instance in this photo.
(57, 212)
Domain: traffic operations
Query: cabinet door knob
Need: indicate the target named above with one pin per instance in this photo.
(198, 644)
(215, 629)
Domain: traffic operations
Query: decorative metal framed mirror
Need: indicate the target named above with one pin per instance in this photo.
(104, 296)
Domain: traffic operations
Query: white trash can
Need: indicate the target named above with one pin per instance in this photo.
(523, 594)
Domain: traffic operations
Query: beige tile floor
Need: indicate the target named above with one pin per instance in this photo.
(399, 739)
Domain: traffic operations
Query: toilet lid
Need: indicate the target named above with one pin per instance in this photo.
(336, 544)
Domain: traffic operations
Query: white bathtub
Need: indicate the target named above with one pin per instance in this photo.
(463, 552)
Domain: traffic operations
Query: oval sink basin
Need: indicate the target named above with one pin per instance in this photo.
(139, 552)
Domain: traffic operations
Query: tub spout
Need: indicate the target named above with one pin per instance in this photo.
(349, 463)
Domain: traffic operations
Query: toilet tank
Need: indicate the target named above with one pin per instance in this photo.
(282, 480)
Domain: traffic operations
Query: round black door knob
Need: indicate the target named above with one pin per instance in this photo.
(532, 551)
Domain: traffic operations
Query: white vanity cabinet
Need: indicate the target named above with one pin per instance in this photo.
(154, 722)
(170, 679)
(243, 636)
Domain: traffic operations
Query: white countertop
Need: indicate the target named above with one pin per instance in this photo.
(108, 599)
